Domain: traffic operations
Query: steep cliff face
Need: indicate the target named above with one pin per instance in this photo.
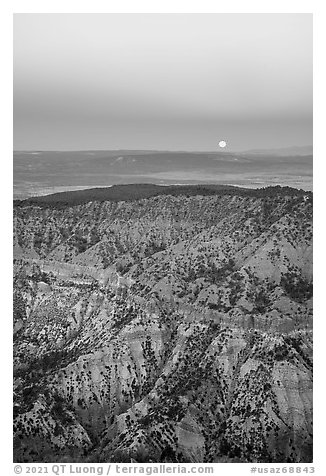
(164, 329)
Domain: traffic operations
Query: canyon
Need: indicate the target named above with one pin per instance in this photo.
(166, 327)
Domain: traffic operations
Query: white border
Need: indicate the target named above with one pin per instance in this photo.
(167, 6)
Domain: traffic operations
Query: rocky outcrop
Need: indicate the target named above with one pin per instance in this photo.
(168, 329)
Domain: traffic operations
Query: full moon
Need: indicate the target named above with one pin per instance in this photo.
(222, 143)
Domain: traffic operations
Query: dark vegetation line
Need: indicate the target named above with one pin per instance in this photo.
(131, 192)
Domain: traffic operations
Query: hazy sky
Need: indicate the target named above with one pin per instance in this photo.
(162, 81)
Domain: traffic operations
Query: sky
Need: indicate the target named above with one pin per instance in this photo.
(162, 81)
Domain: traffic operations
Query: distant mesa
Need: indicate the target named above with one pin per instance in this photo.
(305, 150)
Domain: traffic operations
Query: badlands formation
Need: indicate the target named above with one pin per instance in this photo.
(172, 328)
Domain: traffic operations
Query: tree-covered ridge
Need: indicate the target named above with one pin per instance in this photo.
(132, 192)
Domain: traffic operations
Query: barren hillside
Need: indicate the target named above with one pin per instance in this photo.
(172, 328)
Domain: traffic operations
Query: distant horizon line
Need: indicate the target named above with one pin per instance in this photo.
(168, 150)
